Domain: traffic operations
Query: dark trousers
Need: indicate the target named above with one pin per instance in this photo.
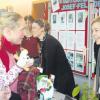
(15, 96)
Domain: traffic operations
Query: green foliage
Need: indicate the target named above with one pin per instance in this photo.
(76, 91)
(40, 76)
(87, 93)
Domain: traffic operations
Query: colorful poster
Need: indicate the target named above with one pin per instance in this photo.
(70, 56)
(79, 61)
(70, 20)
(80, 19)
(62, 20)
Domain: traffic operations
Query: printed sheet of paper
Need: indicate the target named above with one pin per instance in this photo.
(80, 40)
(70, 38)
(70, 20)
(63, 39)
(80, 19)
(54, 34)
(62, 20)
(55, 5)
(54, 21)
(79, 61)
(70, 56)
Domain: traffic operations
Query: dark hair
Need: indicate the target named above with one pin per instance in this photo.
(43, 23)
(29, 18)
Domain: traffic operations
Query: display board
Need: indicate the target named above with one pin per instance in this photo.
(69, 26)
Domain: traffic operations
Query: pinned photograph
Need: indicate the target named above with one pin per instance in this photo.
(62, 20)
(55, 5)
(54, 21)
(79, 61)
(54, 18)
(80, 19)
(70, 56)
(70, 20)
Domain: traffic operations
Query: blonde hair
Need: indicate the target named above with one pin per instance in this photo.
(9, 19)
(97, 19)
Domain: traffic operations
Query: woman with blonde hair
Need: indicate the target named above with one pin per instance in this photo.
(12, 32)
(96, 35)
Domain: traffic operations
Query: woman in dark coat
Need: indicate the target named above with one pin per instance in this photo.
(96, 49)
(54, 60)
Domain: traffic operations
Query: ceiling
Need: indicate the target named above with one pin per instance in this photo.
(39, 1)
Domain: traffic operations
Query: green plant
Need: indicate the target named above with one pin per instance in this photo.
(87, 93)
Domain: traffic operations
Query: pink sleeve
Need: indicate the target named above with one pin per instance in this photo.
(11, 75)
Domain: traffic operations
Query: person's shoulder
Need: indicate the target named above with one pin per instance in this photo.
(96, 45)
(54, 41)
(52, 38)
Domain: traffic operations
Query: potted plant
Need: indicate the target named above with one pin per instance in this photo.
(86, 93)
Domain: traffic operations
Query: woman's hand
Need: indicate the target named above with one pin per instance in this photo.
(5, 94)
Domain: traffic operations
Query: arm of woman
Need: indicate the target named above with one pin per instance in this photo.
(12, 74)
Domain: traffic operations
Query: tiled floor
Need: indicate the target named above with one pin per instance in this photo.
(80, 80)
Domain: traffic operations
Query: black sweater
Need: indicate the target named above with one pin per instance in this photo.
(54, 61)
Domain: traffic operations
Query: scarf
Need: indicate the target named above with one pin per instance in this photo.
(7, 46)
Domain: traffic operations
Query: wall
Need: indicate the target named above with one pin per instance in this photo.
(24, 7)
(40, 10)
